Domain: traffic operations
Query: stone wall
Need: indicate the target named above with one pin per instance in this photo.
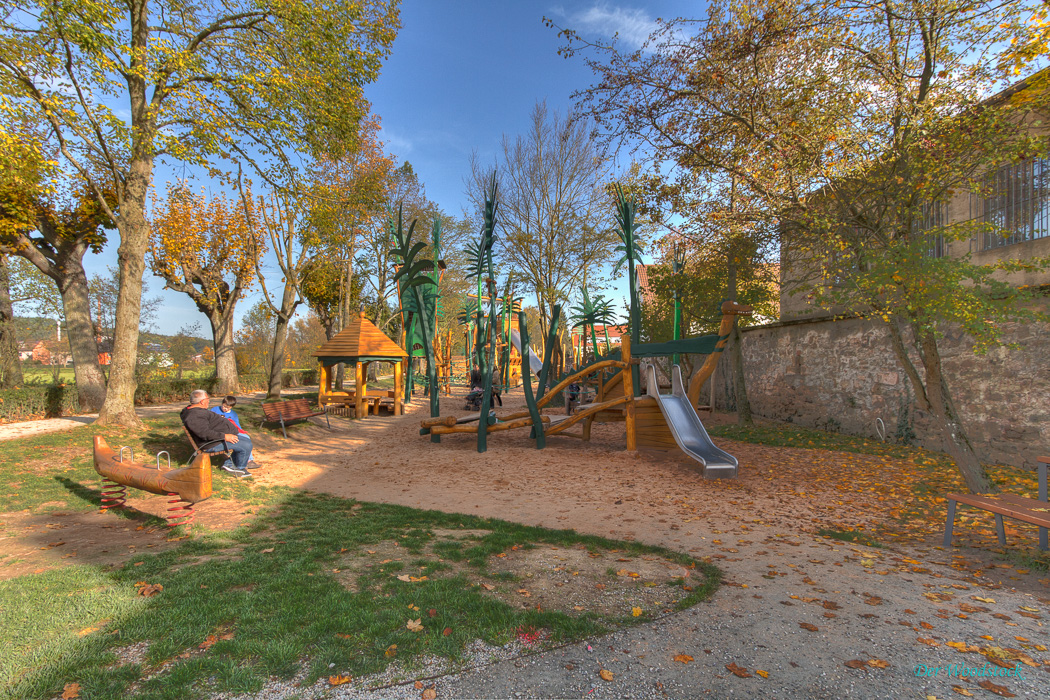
(843, 375)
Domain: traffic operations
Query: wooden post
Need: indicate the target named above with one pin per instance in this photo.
(628, 411)
(397, 388)
(360, 405)
(322, 384)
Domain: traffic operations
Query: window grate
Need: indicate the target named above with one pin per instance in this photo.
(1014, 204)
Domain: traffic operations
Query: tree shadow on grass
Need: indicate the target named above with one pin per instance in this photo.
(226, 611)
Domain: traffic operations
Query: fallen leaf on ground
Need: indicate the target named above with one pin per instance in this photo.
(683, 658)
(808, 626)
(267, 551)
(983, 600)
(415, 625)
(148, 590)
(855, 663)
(488, 586)
(878, 663)
(1000, 690)
(70, 691)
(764, 674)
(404, 577)
(962, 691)
(929, 642)
(419, 685)
(606, 675)
(447, 632)
(340, 679)
(429, 694)
(391, 651)
(636, 612)
(738, 671)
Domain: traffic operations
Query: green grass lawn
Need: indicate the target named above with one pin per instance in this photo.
(309, 580)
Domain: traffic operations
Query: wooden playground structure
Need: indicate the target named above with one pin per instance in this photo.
(186, 486)
(358, 345)
(654, 420)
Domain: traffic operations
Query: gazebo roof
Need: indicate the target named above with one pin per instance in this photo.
(361, 339)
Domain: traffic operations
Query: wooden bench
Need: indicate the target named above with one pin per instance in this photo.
(227, 450)
(291, 410)
(1029, 510)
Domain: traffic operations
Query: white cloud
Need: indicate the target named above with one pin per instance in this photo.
(631, 25)
(395, 144)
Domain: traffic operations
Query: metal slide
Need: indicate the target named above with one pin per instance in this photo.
(534, 362)
(686, 427)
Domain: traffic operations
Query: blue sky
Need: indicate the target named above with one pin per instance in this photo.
(461, 75)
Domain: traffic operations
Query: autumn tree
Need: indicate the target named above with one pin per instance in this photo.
(53, 230)
(207, 249)
(555, 215)
(260, 82)
(347, 200)
(181, 350)
(890, 118)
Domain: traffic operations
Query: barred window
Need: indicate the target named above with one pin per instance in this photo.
(932, 216)
(1015, 202)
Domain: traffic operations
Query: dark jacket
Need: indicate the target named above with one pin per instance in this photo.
(205, 425)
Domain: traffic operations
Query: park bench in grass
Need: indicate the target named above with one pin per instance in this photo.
(1028, 510)
(290, 410)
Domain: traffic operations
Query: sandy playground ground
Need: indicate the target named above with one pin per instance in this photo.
(818, 617)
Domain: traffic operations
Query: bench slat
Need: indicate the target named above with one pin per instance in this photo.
(1017, 507)
(290, 410)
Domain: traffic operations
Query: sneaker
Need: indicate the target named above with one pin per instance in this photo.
(227, 464)
(234, 471)
(252, 464)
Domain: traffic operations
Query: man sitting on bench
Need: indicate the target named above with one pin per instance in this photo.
(206, 426)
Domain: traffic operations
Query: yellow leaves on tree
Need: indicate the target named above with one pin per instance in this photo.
(199, 245)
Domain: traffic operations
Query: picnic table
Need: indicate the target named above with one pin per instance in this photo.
(1028, 510)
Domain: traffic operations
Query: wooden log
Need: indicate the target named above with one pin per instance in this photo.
(440, 420)
(576, 418)
(632, 434)
(577, 376)
(473, 427)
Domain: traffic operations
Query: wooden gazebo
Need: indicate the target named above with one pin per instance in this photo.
(359, 344)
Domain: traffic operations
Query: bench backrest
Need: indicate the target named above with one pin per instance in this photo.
(288, 409)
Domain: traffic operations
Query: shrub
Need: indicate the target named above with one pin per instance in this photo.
(38, 401)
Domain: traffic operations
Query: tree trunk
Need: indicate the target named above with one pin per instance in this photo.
(933, 396)
(946, 417)
(736, 355)
(227, 380)
(76, 305)
(10, 366)
(280, 341)
(134, 228)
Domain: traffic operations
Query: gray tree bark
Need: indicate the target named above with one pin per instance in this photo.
(10, 366)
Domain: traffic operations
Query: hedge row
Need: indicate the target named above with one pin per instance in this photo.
(50, 400)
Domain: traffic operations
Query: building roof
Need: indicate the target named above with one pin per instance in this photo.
(645, 291)
(361, 338)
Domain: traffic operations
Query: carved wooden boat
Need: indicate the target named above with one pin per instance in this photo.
(192, 484)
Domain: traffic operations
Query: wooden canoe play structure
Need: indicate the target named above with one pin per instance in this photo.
(652, 420)
(187, 485)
